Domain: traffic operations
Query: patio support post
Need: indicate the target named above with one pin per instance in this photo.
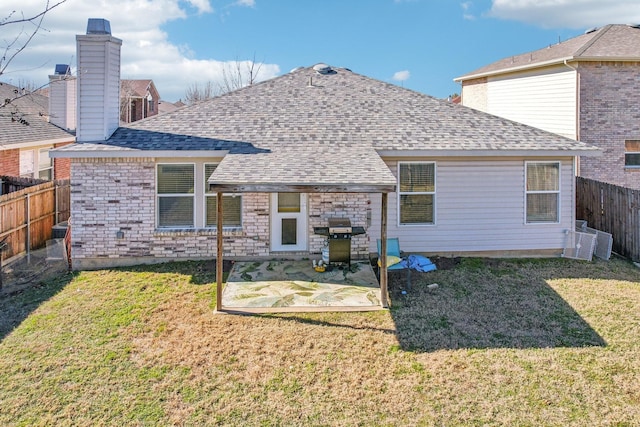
(384, 294)
(219, 252)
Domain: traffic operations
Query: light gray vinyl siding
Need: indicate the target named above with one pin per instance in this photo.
(98, 87)
(545, 99)
(62, 102)
(480, 206)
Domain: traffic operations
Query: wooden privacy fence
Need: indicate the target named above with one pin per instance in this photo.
(28, 215)
(613, 209)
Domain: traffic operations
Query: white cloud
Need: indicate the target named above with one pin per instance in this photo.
(567, 13)
(401, 76)
(147, 52)
(203, 6)
(466, 14)
(247, 3)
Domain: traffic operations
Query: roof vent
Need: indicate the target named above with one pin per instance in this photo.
(591, 30)
(62, 70)
(637, 26)
(323, 69)
(98, 26)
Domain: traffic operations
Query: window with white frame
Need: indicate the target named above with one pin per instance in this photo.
(231, 204)
(175, 195)
(27, 163)
(416, 193)
(542, 192)
(45, 164)
(36, 163)
(632, 153)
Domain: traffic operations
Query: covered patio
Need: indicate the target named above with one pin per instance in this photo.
(300, 169)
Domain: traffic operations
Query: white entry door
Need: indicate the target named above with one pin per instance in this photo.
(289, 222)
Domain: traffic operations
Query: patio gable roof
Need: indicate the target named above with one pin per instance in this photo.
(338, 169)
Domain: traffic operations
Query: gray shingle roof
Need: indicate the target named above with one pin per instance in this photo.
(24, 120)
(611, 42)
(313, 128)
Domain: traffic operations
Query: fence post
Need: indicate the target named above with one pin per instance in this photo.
(55, 195)
(28, 215)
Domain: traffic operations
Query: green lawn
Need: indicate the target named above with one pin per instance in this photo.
(508, 342)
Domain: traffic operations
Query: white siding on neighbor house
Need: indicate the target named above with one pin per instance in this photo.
(544, 98)
(480, 207)
(62, 101)
(98, 87)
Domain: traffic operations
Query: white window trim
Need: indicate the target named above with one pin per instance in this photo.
(207, 194)
(192, 195)
(48, 168)
(558, 192)
(400, 193)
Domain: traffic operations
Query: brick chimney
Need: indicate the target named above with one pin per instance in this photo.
(62, 98)
(98, 82)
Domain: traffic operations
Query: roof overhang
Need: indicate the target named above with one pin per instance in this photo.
(587, 151)
(97, 151)
(32, 144)
(543, 64)
(300, 187)
(557, 61)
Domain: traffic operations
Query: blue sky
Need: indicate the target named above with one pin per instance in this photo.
(419, 44)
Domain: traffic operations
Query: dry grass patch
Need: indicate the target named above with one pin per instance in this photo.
(516, 342)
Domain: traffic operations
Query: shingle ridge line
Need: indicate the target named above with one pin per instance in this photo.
(591, 42)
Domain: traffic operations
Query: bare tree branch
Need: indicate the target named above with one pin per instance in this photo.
(9, 53)
(13, 48)
(235, 75)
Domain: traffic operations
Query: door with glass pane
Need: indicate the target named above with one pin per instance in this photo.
(289, 222)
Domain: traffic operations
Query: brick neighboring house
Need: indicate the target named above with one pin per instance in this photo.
(28, 134)
(586, 88)
(139, 99)
(278, 158)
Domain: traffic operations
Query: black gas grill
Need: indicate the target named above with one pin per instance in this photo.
(339, 233)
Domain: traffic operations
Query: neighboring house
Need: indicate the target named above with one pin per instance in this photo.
(138, 100)
(167, 107)
(26, 136)
(289, 153)
(585, 88)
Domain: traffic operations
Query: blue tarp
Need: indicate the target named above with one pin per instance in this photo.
(418, 263)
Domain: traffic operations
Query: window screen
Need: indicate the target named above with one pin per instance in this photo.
(417, 187)
(543, 192)
(175, 187)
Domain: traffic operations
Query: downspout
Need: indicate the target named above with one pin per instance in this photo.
(577, 118)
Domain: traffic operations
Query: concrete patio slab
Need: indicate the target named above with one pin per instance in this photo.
(289, 286)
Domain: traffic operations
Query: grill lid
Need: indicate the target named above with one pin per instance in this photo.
(339, 225)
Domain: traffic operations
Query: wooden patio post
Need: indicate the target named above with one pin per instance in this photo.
(384, 293)
(219, 253)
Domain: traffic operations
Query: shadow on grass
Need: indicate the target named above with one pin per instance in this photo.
(202, 272)
(15, 307)
(483, 304)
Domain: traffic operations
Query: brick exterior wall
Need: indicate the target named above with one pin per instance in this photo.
(354, 206)
(609, 114)
(118, 195)
(10, 162)
(62, 167)
(474, 94)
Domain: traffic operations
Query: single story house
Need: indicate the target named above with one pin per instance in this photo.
(271, 161)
